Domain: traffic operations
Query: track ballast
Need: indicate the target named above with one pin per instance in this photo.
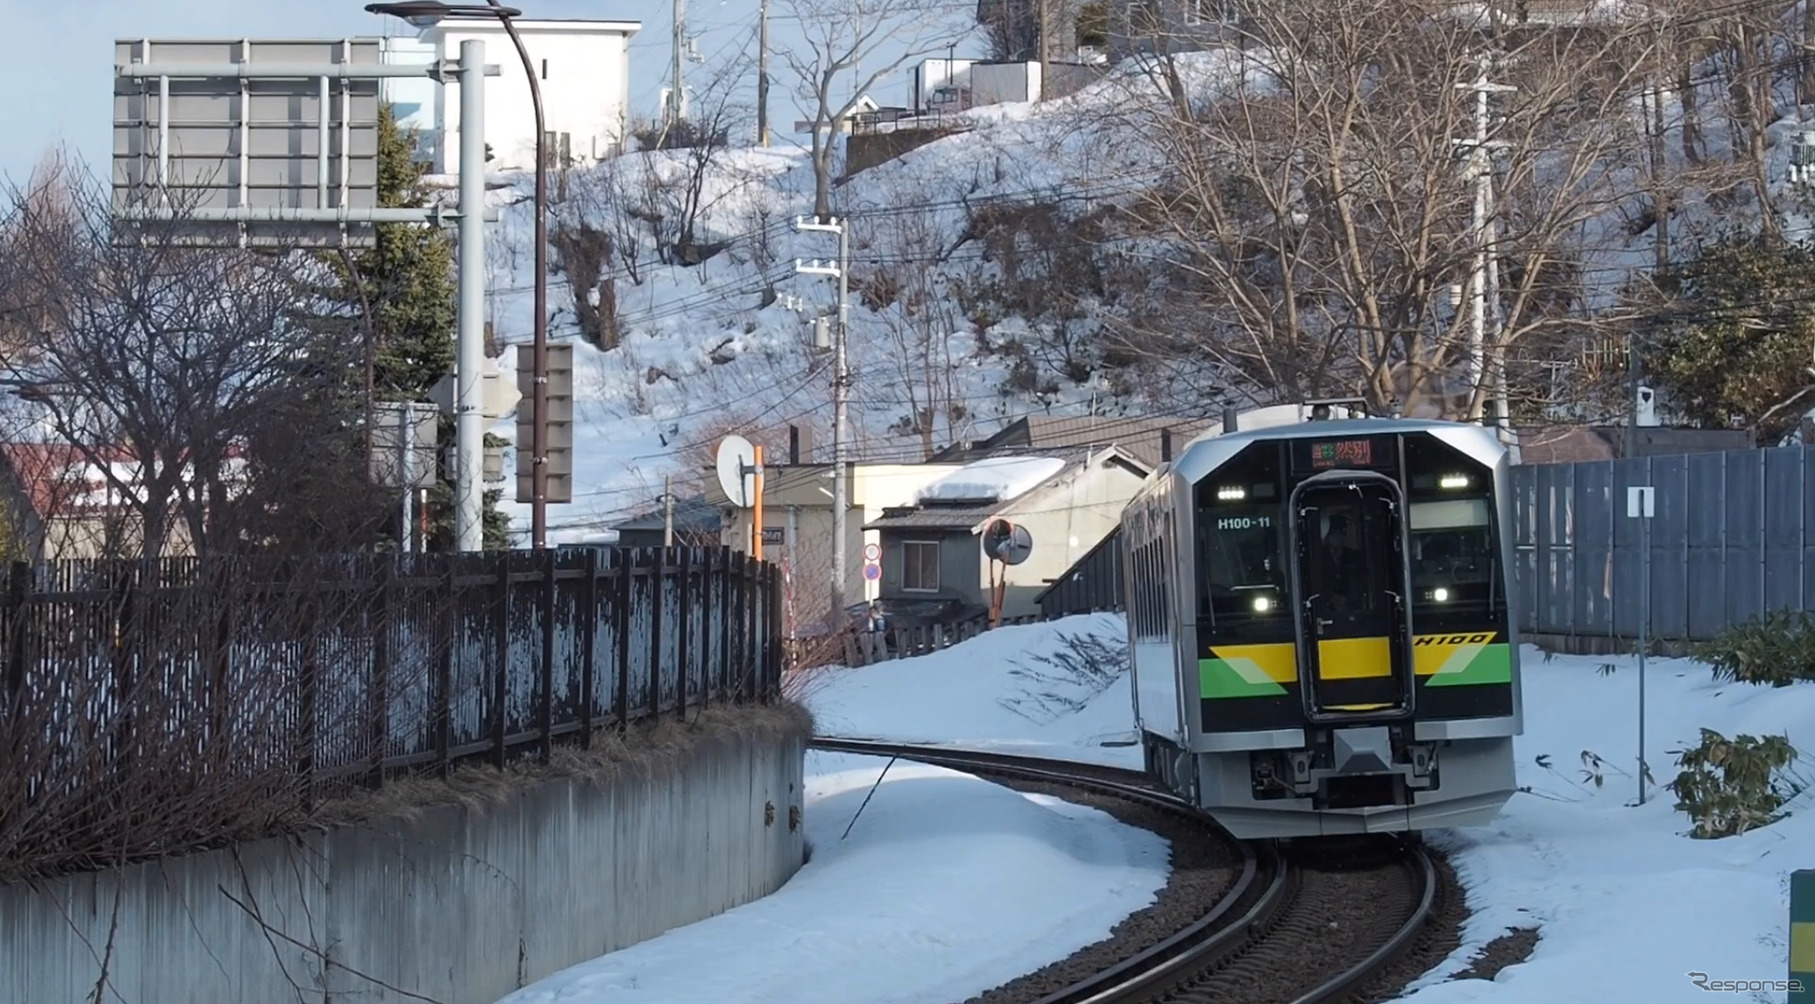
(1306, 924)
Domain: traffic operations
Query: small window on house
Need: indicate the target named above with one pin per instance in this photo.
(920, 566)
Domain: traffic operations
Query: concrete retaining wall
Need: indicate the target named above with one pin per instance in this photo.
(456, 903)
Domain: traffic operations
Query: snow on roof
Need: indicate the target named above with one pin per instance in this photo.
(998, 478)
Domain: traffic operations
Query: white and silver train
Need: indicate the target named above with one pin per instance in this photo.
(1320, 618)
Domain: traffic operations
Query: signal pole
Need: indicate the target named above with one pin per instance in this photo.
(841, 387)
(676, 109)
(1477, 153)
(762, 74)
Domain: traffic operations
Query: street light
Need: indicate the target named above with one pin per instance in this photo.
(425, 14)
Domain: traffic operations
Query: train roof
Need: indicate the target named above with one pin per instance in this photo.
(1211, 450)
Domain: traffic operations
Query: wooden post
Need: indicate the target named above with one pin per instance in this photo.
(227, 594)
(501, 683)
(18, 642)
(444, 669)
(725, 646)
(381, 669)
(685, 631)
(775, 631)
(658, 586)
(627, 561)
(550, 595)
(704, 618)
(306, 686)
(125, 643)
(734, 627)
(588, 637)
(756, 518)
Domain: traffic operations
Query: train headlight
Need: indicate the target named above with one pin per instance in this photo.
(1262, 604)
(1454, 481)
(1231, 494)
(1440, 594)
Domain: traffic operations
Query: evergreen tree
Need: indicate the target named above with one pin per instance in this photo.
(401, 293)
(1728, 341)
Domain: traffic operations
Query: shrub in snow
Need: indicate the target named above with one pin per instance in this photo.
(1778, 649)
(1729, 786)
(1083, 667)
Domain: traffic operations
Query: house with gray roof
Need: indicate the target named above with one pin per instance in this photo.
(934, 568)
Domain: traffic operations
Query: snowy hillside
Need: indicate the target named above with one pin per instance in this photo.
(724, 345)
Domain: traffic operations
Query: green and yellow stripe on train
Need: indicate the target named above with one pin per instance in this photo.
(1460, 659)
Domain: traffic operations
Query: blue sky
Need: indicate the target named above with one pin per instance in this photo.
(58, 81)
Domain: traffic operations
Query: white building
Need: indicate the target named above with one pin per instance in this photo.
(583, 68)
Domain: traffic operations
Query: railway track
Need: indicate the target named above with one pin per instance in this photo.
(1297, 925)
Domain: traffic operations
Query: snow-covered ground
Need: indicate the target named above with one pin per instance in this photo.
(1625, 902)
(998, 691)
(947, 884)
(945, 887)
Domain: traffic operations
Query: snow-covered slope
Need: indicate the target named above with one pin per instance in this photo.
(724, 345)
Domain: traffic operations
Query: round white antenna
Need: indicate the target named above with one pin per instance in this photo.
(737, 471)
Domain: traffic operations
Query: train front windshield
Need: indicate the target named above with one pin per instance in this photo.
(1239, 540)
(1454, 542)
(1452, 539)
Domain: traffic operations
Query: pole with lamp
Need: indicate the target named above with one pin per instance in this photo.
(425, 14)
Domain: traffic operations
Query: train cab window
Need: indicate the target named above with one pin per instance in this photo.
(1241, 570)
(1353, 579)
(1453, 540)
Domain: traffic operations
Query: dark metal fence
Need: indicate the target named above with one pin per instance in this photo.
(351, 668)
(1093, 583)
(1729, 542)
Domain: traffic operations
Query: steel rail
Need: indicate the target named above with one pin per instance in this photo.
(1212, 938)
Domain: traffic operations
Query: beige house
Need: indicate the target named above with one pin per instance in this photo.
(61, 506)
(934, 569)
(797, 524)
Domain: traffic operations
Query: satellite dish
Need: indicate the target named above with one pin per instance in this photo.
(1007, 542)
(737, 471)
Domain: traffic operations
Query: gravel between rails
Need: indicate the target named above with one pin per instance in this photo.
(1336, 916)
(1439, 939)
(1204, 870)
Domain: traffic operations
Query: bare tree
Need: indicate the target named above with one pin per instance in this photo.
(1318, 214)
(166, 368)
(924, 325)
(844, 57)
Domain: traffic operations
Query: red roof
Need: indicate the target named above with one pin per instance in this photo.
(59, 479)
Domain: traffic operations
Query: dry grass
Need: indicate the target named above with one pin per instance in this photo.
(648, 749)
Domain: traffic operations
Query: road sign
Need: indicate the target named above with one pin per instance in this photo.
(500, 396)
(259, 142)
(872, 572)
(403, 451)
(872, 552)
(1641, 502)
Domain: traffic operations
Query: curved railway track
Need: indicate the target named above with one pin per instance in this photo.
(1297, 925)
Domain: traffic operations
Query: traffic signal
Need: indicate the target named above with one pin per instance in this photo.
(560, 424)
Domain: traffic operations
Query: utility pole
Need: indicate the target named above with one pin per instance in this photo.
(667, 510)
(762, 74)
(676, 109)
(1477, 153)
(469, 342)
(841, 388)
